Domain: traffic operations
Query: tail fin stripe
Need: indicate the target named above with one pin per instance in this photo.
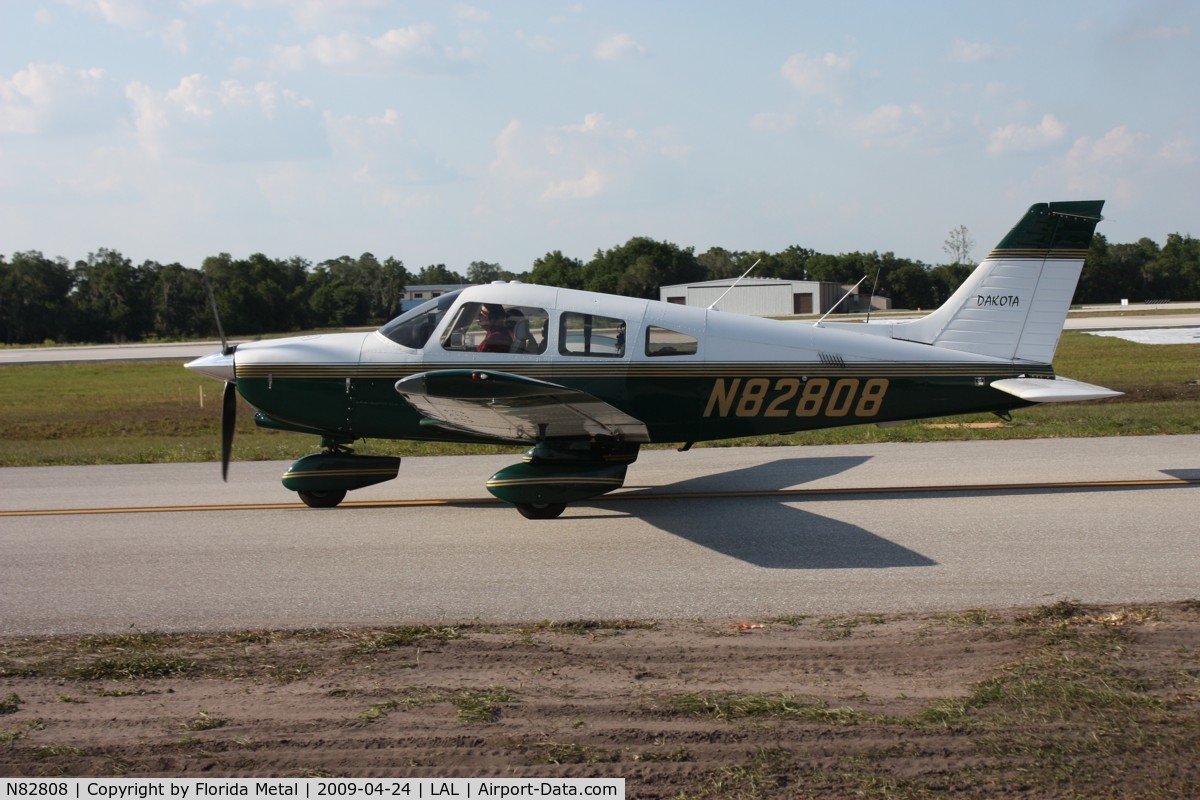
(1015, 254)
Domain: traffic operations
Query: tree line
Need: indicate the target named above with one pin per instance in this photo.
(107, 298)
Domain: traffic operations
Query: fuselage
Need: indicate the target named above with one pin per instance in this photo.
(689, 374)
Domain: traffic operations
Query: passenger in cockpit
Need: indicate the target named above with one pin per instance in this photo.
(522, 338)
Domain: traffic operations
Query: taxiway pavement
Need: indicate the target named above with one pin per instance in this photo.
(936, 526)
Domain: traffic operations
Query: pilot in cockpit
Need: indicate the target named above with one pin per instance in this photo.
(496, 338)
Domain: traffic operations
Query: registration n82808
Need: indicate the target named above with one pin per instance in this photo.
(36, 789)
(796, 397)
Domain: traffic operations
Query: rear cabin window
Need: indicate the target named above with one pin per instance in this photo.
(591, 335)
(497, 328)
(666, 342)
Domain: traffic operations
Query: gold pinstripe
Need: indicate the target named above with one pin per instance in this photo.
(640, 370)
(549, 480)
(321, 473)
(1036, 253)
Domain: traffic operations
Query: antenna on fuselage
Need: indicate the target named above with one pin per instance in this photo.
(713, 307)
(833, 308)
(871, 299)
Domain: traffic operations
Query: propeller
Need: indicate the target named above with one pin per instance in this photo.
(229, 397)
(226, 348)
(228, 423)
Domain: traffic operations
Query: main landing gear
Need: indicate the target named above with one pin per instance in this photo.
(553, 474)
(541, 510)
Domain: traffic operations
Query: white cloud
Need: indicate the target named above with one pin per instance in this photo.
(773, 121)
(594, 158)
(510, 162)
(175, 36)
(110, 172)
(51, 99)
(383, 152)
(676, 151)
(1180, 151)
(472, 14)
(618, 47)
(150, 18)
(912, 127)
(233, 121)
(1103, 166)
(881, 120)
(407, 42)
(412, 48)
(964, 52)
(538, 43)
(1015, 138)
(1112, 146)
(591, 122)
(136, 14)
(892, 123)
(591, 184)
(319, 14)
(997, 89)
(828, 74)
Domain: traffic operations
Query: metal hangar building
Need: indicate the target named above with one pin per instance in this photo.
(769, 297)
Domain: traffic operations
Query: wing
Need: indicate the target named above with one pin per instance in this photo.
(514, 408)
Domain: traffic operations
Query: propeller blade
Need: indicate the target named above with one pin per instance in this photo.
(212, 301)
(228, 423)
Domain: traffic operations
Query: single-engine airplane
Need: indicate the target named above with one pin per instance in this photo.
(584, 379)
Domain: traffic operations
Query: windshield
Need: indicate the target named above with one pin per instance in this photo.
(414, 327)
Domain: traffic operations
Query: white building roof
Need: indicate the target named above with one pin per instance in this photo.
(743, 282)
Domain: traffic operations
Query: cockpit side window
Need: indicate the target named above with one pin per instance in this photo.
(591, 335)
(414, 327)
(497, 328)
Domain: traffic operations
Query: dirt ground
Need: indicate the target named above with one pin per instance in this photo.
(1057, 701)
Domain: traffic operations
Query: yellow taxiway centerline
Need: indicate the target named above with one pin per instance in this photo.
(623, 496)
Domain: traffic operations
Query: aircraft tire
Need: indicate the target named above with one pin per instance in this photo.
(541, 510)
(326, 499)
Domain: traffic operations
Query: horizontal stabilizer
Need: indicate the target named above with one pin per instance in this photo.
(1052, 390)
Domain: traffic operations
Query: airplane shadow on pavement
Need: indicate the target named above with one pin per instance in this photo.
(1183, 474)
(767, 531)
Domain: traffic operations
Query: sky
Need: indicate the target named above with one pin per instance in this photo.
(443, 132)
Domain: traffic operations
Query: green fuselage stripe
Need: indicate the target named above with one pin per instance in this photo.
(676, 401)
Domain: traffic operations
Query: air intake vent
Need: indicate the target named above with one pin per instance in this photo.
(830, 360)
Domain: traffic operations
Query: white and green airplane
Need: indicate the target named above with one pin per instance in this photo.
(584, 379)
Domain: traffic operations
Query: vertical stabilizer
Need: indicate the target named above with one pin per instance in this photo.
(1013, 305)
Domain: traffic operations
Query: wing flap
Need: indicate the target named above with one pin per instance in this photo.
(501, 405)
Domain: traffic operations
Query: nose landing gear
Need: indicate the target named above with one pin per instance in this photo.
(323, 499)
(323, 479)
